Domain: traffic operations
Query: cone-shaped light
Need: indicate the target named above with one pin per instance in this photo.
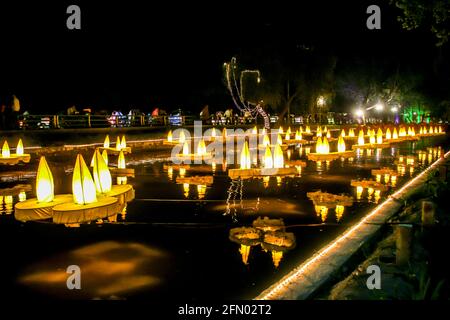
(341, 144)
(379, 136)
(245, 157)
(106, 142)
(278, 158)
(102, 176)
(121, 161)
(19, 149)
(361, 137)
(105, 156)
(268, 159)
(5, 150)
(169, 136)
(388, 134)
(123, 143)
(83, 186)
(44, 182)
(118, 145)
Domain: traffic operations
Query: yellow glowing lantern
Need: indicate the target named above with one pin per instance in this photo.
(268, 159)
(288, 136)
(123, 143)
(201, 147)
(122, 180)
(421, 130)
(169, 136)
(319, 145)
(377, 196)
(266, 140)
(182, 137)
(118, 145)
(319, 132)
(343, 133)
(379, 136)
(245, 157)
(351, 132)
(372, 138)
(105, 156)
(278, 158)
(213, 133)
(83, 186)
(361, 137)
(102, 176)
(328, 134)
(298, 135)
(341, 144)
(279, 140)
(339, 212)
(395, 134)
(19, 148)
(440, 129)
(5, 150)
(255, 130)
(289, 131)
(402, 132)
(245, 252)
(388, 134)
(106, 142)
(182, 172)
(308, 129)
(378, 178)
(280, 130)
(386, 178)
(121, 161)
(44, 182)
(325, 146)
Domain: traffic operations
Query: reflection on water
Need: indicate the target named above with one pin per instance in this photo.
(109, 269)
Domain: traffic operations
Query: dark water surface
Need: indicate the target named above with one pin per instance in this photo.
(173, 241)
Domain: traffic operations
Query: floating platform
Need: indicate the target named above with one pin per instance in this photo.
(369, 184)
(72, 213)
(15, 159)
(329, 200)
(191, 157)
(330, 156)
(197, 180)
(261, 172)
(31, 210)
(372, 145)
(15, 190)
(115, 151)
(384, 171)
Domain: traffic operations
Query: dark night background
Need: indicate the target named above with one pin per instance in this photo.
(170, 54)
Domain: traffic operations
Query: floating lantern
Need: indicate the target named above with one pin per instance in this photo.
(245, 157)
(83, 185)
(361, 138)
(280, 130)
(121, 161)
(328, 134)
(185, 148)
(308, 129)
(395, 134)
(279, 140)
(351, 132)
(5, 150)
(169, 137)
(278, 159)
(393, 180)
(22, 196)
(106, 142)
(440, 129)
(359, 191)
(102, 176)
(201, 147)
(44, 182)
(268, 159)
(378, 177)
(319, 145)
(372, 138)
(388, 134)
(287, 137)
(325, 129)
(341, 144)
(19, 149)
(421, 130)
(325, 146)
(123, 143)
(379, 136)
(213, 133)
(255, 130)
(319, 132)
(298, 135)
(105, 156)
(402, 132)
(343, 133)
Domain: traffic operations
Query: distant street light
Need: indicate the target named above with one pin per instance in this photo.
(394, 109)
(359, 113)
(379, 107)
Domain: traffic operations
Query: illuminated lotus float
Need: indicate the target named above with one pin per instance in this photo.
(9, 158)
(279, 141)
(374, 141)
(323, 201)
(187, 157)
(121, 169)
(431, 130)
(121, 145)
(323, 151)
(349, 134)
(270, 234)
(92, 199)
(273, 164)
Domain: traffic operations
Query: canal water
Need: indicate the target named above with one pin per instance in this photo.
(173, 241)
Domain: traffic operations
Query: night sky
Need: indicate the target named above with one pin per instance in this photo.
(170, 54)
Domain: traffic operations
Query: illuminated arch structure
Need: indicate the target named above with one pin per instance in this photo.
(234, 85)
